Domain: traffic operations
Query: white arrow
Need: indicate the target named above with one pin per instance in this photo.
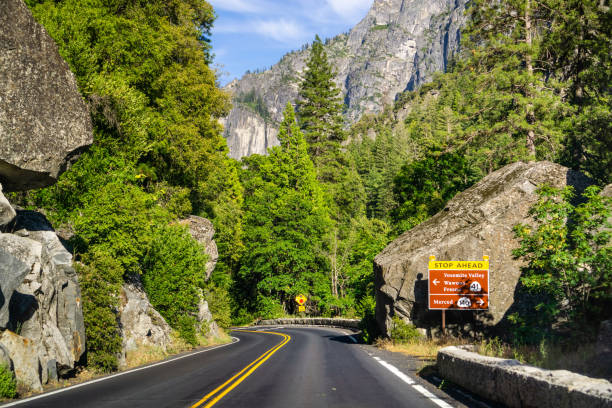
(435, 282)
(480, 302)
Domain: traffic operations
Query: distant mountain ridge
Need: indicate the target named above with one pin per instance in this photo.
(396, 47)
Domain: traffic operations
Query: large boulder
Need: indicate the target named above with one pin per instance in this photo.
(474, 223)
(141, 324)
(46, 307)
(7, 213)
(203, 231)
(44, 122)
(206, 322)
(24, 355)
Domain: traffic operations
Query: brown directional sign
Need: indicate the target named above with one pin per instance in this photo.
(459, 285)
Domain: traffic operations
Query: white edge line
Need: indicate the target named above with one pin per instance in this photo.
(431, 396)
(72, 387)
(397, 372)
(353, 339)
(411, 382)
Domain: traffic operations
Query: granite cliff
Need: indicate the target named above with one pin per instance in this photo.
(396, 47)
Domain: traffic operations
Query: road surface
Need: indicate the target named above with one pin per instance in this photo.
(280, 367)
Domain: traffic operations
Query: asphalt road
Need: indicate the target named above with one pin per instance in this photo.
(296, 367)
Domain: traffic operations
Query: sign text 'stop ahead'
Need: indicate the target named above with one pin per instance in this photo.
(459, 265)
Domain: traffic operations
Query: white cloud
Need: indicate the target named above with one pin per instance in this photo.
(238, 6)
(280, 30)
(350, 9)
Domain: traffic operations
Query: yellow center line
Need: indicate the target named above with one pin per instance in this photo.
(251, 367)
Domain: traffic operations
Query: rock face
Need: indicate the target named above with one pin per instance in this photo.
(7, 213)
(474, 223)
(141, 324)
(203, 231)
(24, 355)
(205, 320)
(44, 122)
(396, 47)
(45, 308)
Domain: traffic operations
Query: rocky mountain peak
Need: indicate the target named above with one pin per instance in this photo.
(397, 46)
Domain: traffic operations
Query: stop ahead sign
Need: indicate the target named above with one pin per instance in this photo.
(458, 285)
(300, 299)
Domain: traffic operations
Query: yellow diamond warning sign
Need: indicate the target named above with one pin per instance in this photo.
(300, 299)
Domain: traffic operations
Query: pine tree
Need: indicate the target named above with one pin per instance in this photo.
(320, 112)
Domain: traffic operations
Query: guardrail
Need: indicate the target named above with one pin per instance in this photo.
(520, 385)
(312, 321)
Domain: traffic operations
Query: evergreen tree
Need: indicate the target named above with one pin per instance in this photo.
(285, 222)
(320, 109)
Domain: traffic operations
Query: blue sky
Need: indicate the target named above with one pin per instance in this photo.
(251, 34)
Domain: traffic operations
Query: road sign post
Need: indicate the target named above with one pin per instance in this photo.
(301, 300)
(458, 285)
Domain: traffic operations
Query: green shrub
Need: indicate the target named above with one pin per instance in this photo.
(568, 258)
(100, 280)
(219, 304)
(368, 324)
(174, 274)
(401, 332)
(8, 385)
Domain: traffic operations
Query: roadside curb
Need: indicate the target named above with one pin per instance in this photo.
(312, 321)
(520, 385)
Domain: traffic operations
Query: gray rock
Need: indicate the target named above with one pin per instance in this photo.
(313, 321)
(17, 259)
(519, 385)
(474, 223)
(52, 370)
(44, 122)
(205, 319)
(203, 231)
(46, 307)
(397, 46)
(7, 213)
(141, 324)
(5, 358)
(24, 355)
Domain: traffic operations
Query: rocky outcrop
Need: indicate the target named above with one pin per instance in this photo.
(518, 385)
(474, 223)
(207, 324)
(44, 122)
(46, 307)
(24, 356)
(396, 47)
(141, 324)
(203, 231)
(7, 213)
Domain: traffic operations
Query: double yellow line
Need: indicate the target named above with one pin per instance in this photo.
(233, 382)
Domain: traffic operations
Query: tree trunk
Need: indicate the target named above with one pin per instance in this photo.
(530, 116)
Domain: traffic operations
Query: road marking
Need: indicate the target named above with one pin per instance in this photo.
(410, 381)
(353, 339)
(239, 377)
(72, 387)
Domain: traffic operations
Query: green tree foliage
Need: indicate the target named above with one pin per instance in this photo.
(568, 255)
(175, 275)
(424, 186)
(285, 222)
(158, 155)
(320, 107)
(100, 278)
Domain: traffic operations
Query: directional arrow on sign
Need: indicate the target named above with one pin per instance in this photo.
(435, 282)
(480, 302)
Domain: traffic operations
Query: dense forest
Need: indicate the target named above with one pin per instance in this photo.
(532, 82)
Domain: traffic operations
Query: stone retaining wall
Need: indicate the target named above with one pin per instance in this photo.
(519, 385)
(313, 321)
